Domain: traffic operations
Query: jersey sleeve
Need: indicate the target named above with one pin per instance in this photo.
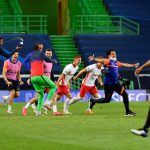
(120, 64)
(106, 62)
(89, 68)
(66, 70)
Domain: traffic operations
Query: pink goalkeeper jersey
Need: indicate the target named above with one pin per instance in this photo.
(12, 69)
(47, 68)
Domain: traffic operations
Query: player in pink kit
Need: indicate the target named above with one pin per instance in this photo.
(64, 79)
(11, 75)
(93, 73)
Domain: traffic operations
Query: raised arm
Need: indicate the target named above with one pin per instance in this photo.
(4, 53)
(92, 58)
(130, 65)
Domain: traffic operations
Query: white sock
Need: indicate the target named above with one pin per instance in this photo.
(74, 100)
(50, 103)
(33, 106)
(27, 105)
(54, 108)
(9, 108)
(6, 97)
(47, 102)
(66, 104)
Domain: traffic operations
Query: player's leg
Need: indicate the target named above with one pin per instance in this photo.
(39, 85)
(143, 131)
(5, 99)
(121, 91)
(30, 103)
(10, 102)
(66, 104)
(81, 95)
(49, 84)
(94, 92)
(108, 89)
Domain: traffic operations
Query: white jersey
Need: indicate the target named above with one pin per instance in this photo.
(92, 74)
(69, 72)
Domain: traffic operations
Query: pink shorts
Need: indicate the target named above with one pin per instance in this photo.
(63, 90)
(85, 89)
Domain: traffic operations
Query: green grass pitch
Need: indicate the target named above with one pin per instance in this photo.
(106, 129)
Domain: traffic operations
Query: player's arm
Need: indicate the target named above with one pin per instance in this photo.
(19, 76)
(52, 76)
(5, 68)
(5, 53)
(99, 79)
(145, 65)
(46, 58)
(92, 58)
(129, 65)
(26, 61)
(62, 76)
(80, 73)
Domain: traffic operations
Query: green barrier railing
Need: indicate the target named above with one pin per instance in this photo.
(97, 24)
(24, 24)
(15, 6)
(85, 8)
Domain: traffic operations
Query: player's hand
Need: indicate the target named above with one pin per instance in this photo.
(138, 70)
(136, 65)
(18, 48)
(9, 83)
(91, 58)
(75, 78)
(101, 84)
(21, 82)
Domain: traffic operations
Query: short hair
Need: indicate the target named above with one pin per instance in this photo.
(48, 49)
(109, 52)
(36, 47)
(77, 56)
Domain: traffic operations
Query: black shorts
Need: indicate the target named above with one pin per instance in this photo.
(110, 89)
(15, 85)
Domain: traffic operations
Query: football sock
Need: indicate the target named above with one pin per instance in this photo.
(27, 105)
(74, 100)
(54, 108)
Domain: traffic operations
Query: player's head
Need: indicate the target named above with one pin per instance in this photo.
(15, 56)
(98, 64)
(77, 60)
(48, 52)
(38, 46)
(1, 41)
(111, 54)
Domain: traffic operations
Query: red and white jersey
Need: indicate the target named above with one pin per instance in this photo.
(69, 72)
(92, 74)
